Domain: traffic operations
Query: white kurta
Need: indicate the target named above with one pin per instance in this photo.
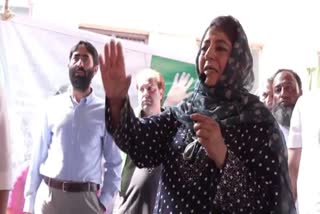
(305, 132)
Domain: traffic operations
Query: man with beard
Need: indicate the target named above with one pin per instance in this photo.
(66, 168)
(287, 88)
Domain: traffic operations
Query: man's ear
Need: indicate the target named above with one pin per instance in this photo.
(161, 93)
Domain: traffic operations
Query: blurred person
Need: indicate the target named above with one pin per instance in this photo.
(267, 95)
(221, 149)
(5, 154)
(304, 152)
(16, 196)
(65, 172)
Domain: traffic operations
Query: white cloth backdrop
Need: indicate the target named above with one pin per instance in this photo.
(33, 65)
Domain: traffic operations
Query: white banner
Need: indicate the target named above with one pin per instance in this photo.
(33, 66)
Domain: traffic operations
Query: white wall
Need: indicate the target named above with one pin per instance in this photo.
(287, 29)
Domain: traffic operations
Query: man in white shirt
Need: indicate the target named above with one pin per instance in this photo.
(287, 88)
(5, 168)
(305, 133)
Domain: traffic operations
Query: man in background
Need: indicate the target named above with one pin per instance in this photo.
(139, 186)
(286, 89)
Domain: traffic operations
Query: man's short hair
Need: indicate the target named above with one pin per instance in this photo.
(91, 49)
(296, 76)
(151, 73)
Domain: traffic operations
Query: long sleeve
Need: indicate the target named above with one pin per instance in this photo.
(254, 178)
(112, 171)
(39, 155)
(144, 139)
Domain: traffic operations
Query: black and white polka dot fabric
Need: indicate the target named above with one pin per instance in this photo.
(252, 180)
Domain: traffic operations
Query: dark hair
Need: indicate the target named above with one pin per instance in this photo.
(227, 25)
(91, 49)
(296, 76)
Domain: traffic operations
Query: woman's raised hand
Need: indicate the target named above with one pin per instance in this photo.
(115, 81)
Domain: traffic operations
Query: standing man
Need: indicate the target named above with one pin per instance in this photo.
(5, 167)
(287, 88)
(66, 168)
(139, 186)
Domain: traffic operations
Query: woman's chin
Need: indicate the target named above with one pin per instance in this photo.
(210, 82)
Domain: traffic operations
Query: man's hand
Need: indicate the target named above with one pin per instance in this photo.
(179, 89)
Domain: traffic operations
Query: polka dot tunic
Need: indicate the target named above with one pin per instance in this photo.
(251, 180)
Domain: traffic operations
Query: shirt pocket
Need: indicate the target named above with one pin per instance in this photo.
(90, 137)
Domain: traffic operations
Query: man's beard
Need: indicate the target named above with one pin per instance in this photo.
(81, 83)
(283, 114)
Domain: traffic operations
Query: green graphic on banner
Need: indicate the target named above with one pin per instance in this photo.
(169, 68)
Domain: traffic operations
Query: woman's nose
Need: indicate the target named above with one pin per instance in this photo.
(210, 53)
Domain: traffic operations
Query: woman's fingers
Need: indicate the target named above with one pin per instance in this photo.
(206, 128)
(113, 54)
(197, 117)
(120, 59)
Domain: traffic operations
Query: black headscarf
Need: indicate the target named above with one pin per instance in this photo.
(228, 102)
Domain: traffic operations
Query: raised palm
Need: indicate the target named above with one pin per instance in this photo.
(115, 81)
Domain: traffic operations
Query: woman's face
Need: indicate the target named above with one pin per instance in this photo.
(214, 55)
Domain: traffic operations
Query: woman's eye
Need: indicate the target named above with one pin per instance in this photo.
(204, 48)
(220, 48)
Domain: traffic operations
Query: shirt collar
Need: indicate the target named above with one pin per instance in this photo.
(86, 100)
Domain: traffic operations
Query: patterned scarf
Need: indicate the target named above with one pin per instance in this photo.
(228, 102)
